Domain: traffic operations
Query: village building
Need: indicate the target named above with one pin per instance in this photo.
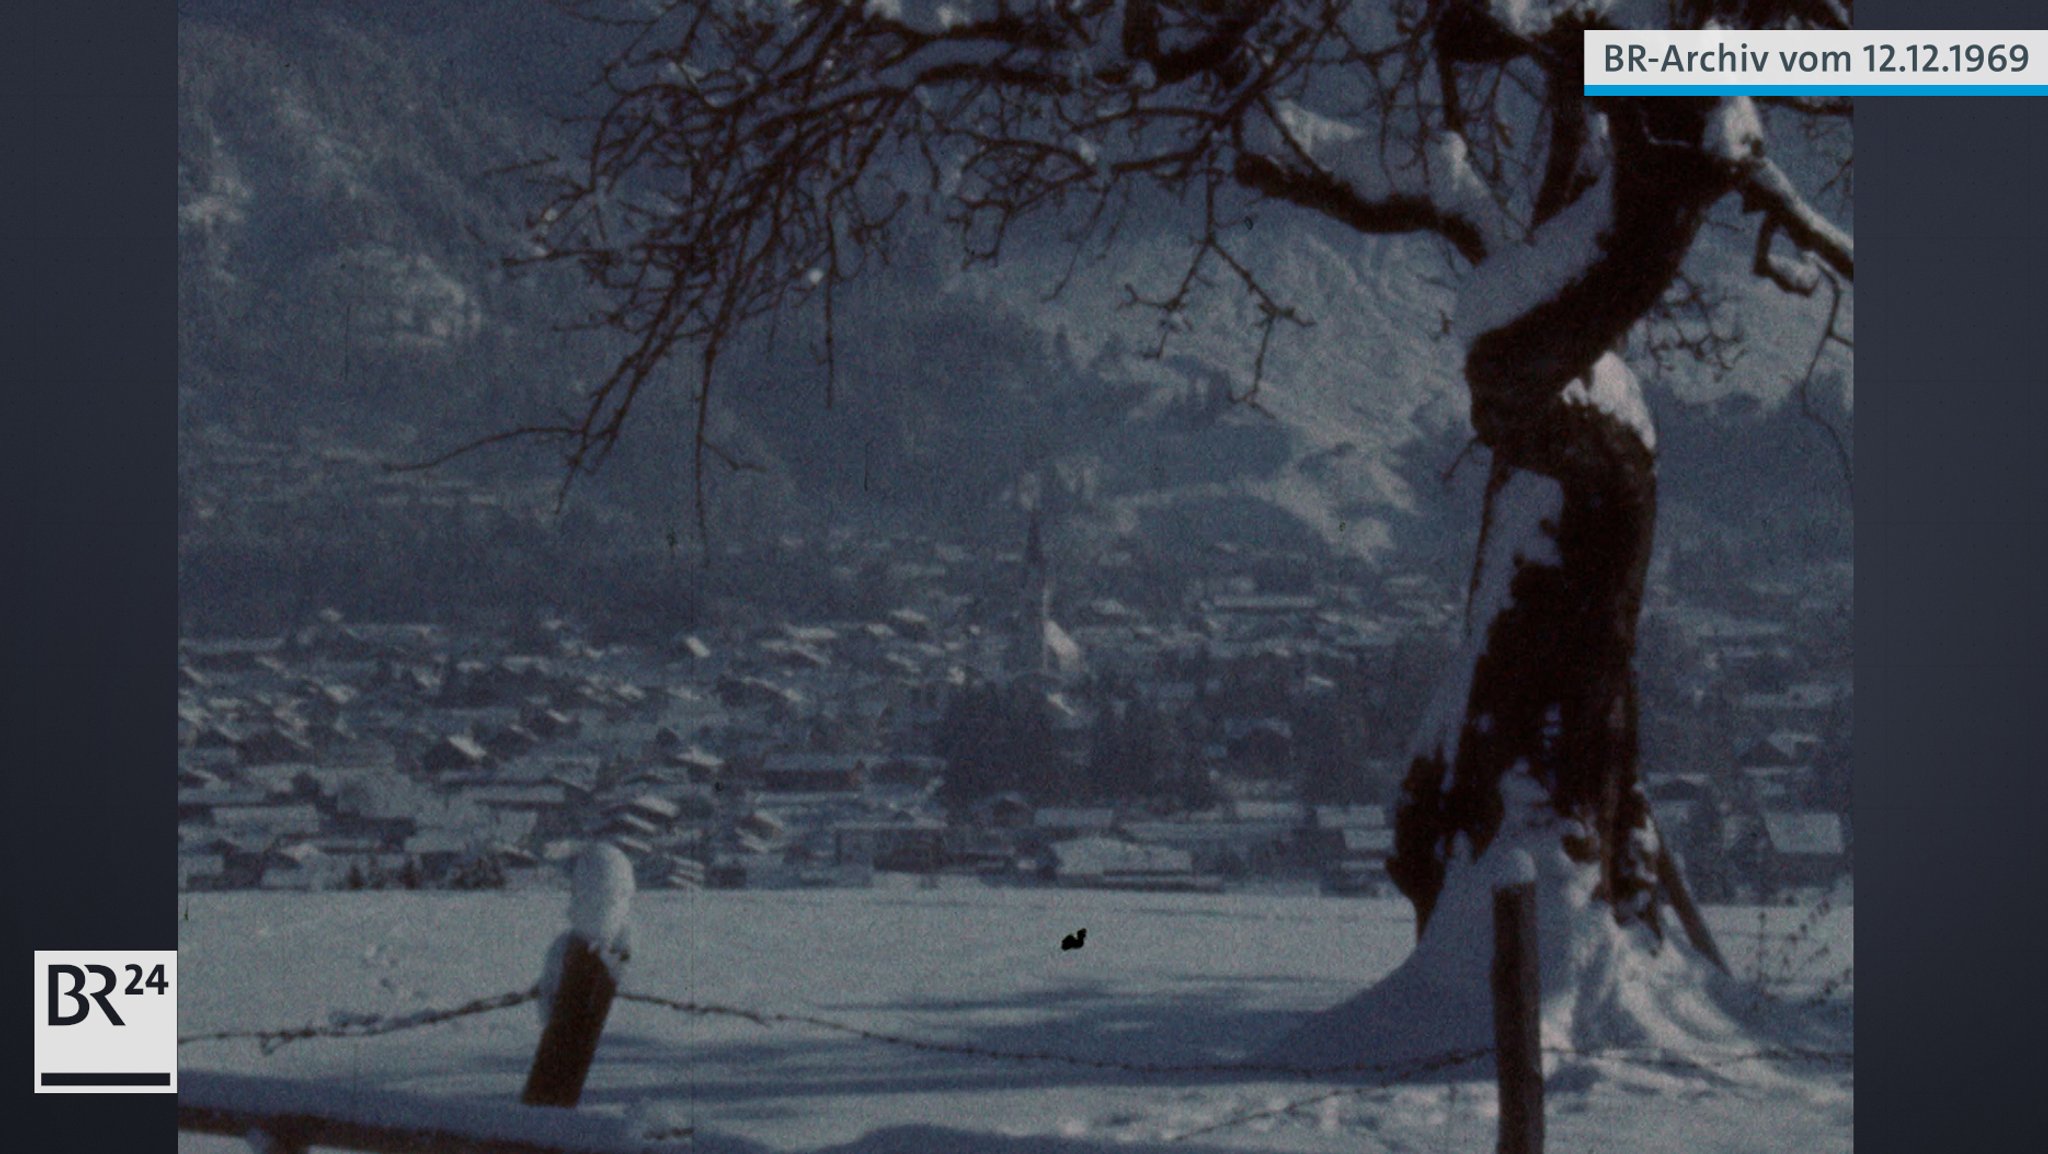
(908, 844)
(1111, 863)
(812, 772)
(1807, 849)
(454, 753)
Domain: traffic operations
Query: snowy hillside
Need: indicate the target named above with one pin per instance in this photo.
(341, 231)
(953, 987)
(344, 208)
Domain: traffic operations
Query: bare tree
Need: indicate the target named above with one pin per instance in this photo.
(759, 154)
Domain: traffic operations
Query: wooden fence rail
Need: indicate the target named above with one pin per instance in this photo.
(285, 1116)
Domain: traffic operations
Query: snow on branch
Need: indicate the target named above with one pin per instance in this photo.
(1799, 277)
(1765, 187)
(1611, 388)
(1516, 279)
(1530, 19)
(1735, 135)
(1337, 168)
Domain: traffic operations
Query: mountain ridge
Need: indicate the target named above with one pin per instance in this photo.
(347, 194)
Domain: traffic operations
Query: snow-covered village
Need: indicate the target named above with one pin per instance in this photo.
(1009, 575)
(966, 730)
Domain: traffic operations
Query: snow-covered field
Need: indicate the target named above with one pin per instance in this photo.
(1162, 980)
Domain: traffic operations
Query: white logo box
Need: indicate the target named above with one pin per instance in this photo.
(106, 1022)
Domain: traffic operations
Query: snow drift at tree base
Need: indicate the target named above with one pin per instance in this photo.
(1607, 988)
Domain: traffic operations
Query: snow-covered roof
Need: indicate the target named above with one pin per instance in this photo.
(694, 757)
(1190, 835)
(1062, 652)
(463, 745)
(438, 841)
(1257, 810)
(901, 823)
(223, 796)
(522, 795)
(762, 820)
(1069, 817)
(815, 762)
(1368, 840)
(275, 818)
(1677, 814)
(1095, 856)
(301, 853)
(655, 805)
(1818, 834)
(1346, 816)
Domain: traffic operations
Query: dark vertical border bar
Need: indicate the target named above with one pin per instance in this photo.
(88, 547)
(1951, 614)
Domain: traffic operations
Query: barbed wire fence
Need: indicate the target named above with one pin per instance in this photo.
(1783, 959)
(1379, 1075)
(345, 1024)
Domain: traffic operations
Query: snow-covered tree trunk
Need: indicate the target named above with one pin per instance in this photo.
(1546, 685)
(1533, 745)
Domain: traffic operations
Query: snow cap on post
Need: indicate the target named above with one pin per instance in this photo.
(1514, 868)
(599, 890)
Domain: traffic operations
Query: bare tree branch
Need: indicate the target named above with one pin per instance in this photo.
(1829, 334)
(751, 158)
(1765, 187)
(1798, 277)
(1323, 193)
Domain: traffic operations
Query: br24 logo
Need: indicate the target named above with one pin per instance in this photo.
(83, 1001)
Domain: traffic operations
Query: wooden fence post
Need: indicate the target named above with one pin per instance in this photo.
(569, 1042)
(585, 983)
(1517, 1022)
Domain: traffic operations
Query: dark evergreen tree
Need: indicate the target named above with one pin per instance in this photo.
(996, 739)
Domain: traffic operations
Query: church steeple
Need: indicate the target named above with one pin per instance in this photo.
(1041, 649)
(1034, 603)
(1034, 546)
